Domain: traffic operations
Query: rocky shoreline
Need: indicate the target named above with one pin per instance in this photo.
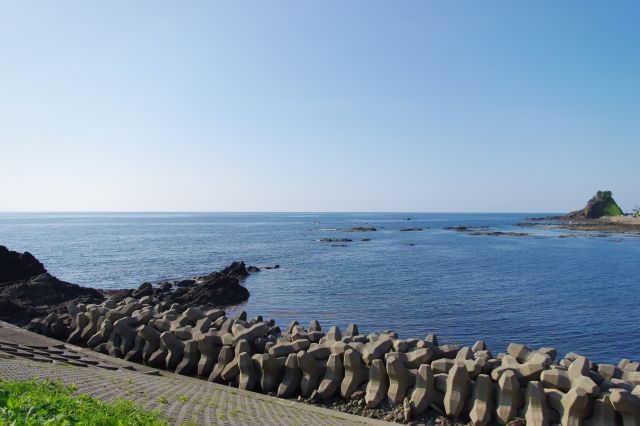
(28, 291)
(380, 375)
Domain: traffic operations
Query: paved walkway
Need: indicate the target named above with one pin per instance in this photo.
(183, 400)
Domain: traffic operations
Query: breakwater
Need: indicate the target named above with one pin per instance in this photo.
(379, 369)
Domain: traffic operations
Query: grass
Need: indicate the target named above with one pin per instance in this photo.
(51, 403)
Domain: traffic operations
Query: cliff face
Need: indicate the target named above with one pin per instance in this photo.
(602, 204)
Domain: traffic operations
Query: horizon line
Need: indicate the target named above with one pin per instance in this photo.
(264, 212)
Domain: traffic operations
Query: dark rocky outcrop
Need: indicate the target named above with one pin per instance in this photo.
(27, 290)
(235, 270)
(601, 204)
(217, 290)
(456, 228)
(500, 233)
(361, 229)
(40, 295)
(335, 240)
(16, 266)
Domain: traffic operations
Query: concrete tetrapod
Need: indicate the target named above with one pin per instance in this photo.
(577, 375)
(526, 372)
(151, 336)
(81, 321)
(628, 405)
(352, 330)
(290, 384)
(158, 358)
(536, 411)
(92, 327)
(377, 349)
(424, 392)
(333, 335)
(482, 407)
(509, 397)
(284, 349)
(124, 334)
(609, 371)
(333, 377)
(319, 351)
(400, 380)
(415, 358)
(269, 371)
(312, 371)
(571, 407)
(355, 373)
(135, 354)
(189, 363)
(209, 353)
(231, 370)
(175, 349)
(202, 327)
(457, 390)
(247, 376)
(314, 325)
(378, 384)
(603, 412)
(102, 335)
(249, 334)
(224, 358)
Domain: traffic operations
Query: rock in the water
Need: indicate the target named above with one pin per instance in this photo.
(235, 270)
(602, 204)
(217, 290)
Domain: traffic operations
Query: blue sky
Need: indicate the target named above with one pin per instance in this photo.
(318, 106)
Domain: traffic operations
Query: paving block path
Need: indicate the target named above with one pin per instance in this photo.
(183, 400)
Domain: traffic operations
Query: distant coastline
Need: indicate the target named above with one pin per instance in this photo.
(611, 224)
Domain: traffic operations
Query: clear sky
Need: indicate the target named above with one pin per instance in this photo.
(318, 105)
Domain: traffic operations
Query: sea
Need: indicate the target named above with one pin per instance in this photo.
(574, 291)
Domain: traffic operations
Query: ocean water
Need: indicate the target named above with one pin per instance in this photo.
(577, 294)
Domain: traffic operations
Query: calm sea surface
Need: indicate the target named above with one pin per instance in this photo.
(575, 294)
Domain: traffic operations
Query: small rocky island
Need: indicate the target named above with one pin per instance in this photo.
(601, 213)
(601, 204)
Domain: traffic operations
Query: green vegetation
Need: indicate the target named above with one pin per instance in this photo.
(48, 403)
(602, 204)
(635, 212)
